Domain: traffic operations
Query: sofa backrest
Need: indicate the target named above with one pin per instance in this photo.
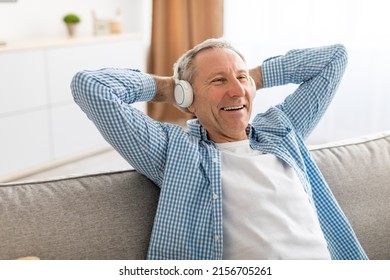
(110, 215)
(101, 216)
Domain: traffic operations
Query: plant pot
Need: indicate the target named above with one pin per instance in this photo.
(71, 29)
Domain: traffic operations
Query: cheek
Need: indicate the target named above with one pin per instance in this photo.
(195, 107)
(203, 110)
(206, 101)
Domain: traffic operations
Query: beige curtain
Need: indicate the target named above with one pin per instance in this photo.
(178, 25)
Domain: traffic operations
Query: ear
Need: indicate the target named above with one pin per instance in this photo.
(191, 108)
(253, 87)
(185, 110)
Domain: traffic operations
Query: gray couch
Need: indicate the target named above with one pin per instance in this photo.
(110, 215)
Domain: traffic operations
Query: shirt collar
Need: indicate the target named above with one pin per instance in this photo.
(197, 130)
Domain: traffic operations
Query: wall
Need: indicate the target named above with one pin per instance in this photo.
(361, 105)
(35, 19)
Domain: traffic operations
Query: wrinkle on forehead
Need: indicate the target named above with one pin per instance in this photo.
(228, 62)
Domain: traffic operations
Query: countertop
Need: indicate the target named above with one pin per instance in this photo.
(63, 41)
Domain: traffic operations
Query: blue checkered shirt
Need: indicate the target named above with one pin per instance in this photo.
(186, 165)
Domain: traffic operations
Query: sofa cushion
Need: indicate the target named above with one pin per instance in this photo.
(101, 216)
(358, 172)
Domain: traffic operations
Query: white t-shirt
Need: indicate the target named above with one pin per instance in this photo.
(266, 211)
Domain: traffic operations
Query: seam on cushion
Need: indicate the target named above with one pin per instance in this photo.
(75, 177)
(350, 142)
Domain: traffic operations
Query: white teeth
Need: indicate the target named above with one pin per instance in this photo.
(233, 108)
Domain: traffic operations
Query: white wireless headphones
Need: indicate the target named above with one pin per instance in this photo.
(184, 95)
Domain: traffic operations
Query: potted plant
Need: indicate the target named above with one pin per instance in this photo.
(71, 20)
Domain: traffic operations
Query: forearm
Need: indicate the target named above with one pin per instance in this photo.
(105, 85)
(318, 71)
(105, 95)
(303, 65)
(257, 75)
(164, 89)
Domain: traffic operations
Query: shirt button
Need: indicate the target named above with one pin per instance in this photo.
(215, 196)
(217, 238)
(214, 160)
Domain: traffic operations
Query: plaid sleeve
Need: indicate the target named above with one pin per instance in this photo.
(318, 71)
(106, 96)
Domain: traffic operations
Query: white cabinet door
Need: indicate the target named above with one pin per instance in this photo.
(22, 81)
(63, 63)
(24, 141)
(72, 132)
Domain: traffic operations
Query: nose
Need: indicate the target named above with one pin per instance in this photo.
(236, 88)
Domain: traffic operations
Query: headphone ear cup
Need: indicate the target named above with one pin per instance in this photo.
(253, 84)
(183, 94)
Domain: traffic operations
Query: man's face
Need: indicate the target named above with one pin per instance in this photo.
(222, 94)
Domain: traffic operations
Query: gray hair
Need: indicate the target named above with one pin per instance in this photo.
(184, 68)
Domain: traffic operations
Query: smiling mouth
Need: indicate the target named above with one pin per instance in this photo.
(233, 108)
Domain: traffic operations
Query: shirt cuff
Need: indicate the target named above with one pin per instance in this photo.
(148, 90)
(273, 72)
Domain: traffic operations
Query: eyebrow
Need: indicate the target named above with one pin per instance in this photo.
(213, 74)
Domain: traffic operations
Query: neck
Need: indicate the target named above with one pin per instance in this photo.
(224, 138)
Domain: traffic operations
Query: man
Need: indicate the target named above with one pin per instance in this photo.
(229, 189)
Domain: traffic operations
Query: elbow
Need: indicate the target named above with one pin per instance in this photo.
(338, 62)
(80, 85)
(341, 55)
